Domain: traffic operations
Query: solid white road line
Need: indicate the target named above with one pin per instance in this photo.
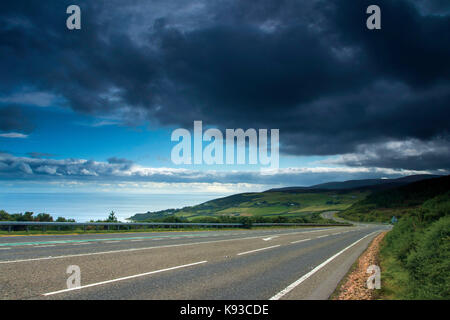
(322, 236)
(141, 249)
(116, 241)
(81, 244)
(246, 252)
(124, 278)
(50, 245)
(5, 248)
(136, 240)
(300, 240)
(289, 288)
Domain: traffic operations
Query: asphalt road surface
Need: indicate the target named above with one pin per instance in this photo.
(300, 263)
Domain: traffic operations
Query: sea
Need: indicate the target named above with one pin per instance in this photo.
(84, 207)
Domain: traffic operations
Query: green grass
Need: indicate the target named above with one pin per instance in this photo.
(400, 201)
(415, 255)
(394, 278)
(363, 213)
(266, 204)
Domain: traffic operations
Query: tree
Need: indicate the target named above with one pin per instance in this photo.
(112, 217)
(62, 219)
(27, 216)
(44, 217)
(4, 216)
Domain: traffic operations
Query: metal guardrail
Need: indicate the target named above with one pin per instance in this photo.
(44, 225)
(304, 224)
(112, 225)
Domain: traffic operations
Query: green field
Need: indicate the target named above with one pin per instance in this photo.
(265, 204)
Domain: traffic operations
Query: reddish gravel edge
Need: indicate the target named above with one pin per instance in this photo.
(354, 286)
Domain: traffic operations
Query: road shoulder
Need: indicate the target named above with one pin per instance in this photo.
(322, 284)
(353, 286)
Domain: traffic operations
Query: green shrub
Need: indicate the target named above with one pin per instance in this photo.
(437, 207)
(401, 240)
(429, 264)
(417, 252)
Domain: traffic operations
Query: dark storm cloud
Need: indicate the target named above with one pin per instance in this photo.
(115, 160)
(122, 164)
(40, 155)
(427, 161)
(407, 48)
(309, 68)
(12, 120)
(412, 155)
(433, 7)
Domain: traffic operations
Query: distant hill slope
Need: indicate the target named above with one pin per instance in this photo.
(265, 204)
(303, 203)
(358, 184)
(382, 205)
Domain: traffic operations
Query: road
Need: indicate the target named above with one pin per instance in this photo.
(332, 216)
(305, 263)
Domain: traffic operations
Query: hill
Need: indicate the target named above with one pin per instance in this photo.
(360, 184)
(304, 205)
(396, 201)
(364, 200)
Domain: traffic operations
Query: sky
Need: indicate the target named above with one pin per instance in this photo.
(93, 110)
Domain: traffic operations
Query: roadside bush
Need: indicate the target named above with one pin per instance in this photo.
(401, 240)
(246, 222)
(429, 264)
(417, 252)
(436, 208)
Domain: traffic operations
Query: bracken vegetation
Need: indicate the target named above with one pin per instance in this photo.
(400, 201)
(416, 253)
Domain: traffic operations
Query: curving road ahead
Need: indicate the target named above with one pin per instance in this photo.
(305, 263)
